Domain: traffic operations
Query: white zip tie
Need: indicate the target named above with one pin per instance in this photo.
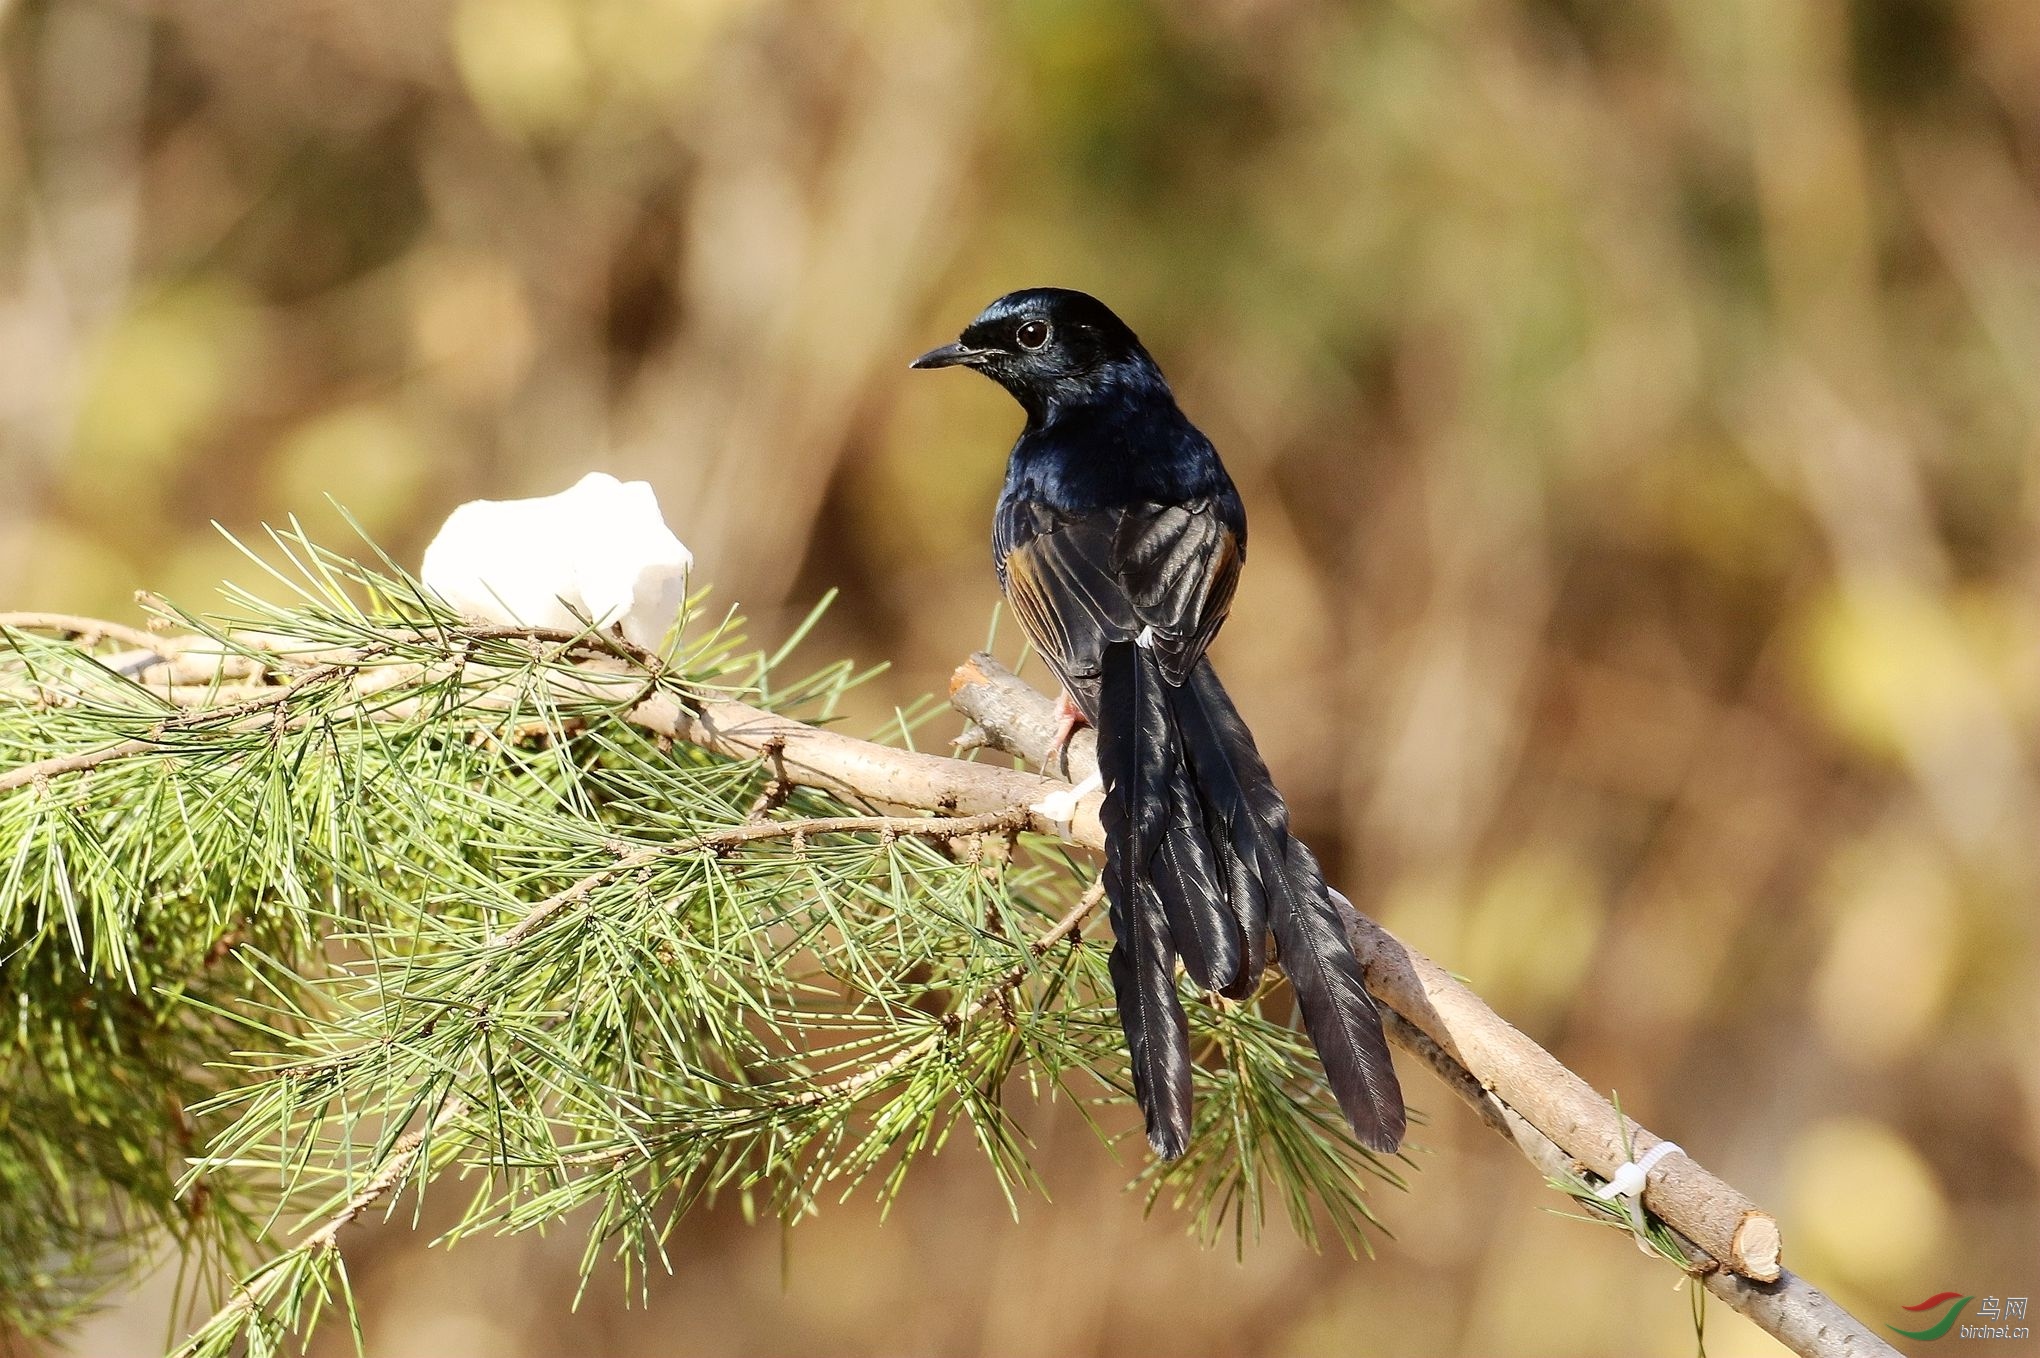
(1061, 807)
(1628, 1183)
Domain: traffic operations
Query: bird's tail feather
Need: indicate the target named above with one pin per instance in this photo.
(1137, 762)
(1289, 892)
(1200, 862)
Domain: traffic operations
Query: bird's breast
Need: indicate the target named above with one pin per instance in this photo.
(1107, 464)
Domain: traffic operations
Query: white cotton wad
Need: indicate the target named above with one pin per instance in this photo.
(600, 549)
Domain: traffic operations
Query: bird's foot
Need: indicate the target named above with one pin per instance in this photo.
(1068, 718)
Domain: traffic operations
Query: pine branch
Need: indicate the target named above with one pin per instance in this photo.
(83, 761)
(545, 911)
(405, 1156)
(1012, 820)
(1001, 993)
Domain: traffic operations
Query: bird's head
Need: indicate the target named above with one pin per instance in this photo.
(1050, 347)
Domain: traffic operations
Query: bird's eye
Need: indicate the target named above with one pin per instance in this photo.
(1032, 334)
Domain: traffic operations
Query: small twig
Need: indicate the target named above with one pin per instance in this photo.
(776, 790)
(185, 720)
(403, 1157)
(88, 630)
(851, 1086)
(409, 1148)
(73, 763)
(541, 913)
(930, 827)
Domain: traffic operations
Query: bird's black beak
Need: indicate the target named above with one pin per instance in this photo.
(949, 356)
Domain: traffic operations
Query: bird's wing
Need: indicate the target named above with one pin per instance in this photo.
(1160, 574)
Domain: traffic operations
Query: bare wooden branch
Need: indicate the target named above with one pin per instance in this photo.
(1790, 1309)
(1521, 1090)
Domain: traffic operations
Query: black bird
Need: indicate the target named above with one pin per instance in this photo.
(1118, 540)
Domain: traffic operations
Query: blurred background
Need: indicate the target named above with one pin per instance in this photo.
(1638, 410)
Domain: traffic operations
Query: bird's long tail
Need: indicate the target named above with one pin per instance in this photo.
(1199, 863)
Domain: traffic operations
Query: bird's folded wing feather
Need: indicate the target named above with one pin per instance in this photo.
(1082, 582)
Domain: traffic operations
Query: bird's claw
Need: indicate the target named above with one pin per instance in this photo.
(1068, 718)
